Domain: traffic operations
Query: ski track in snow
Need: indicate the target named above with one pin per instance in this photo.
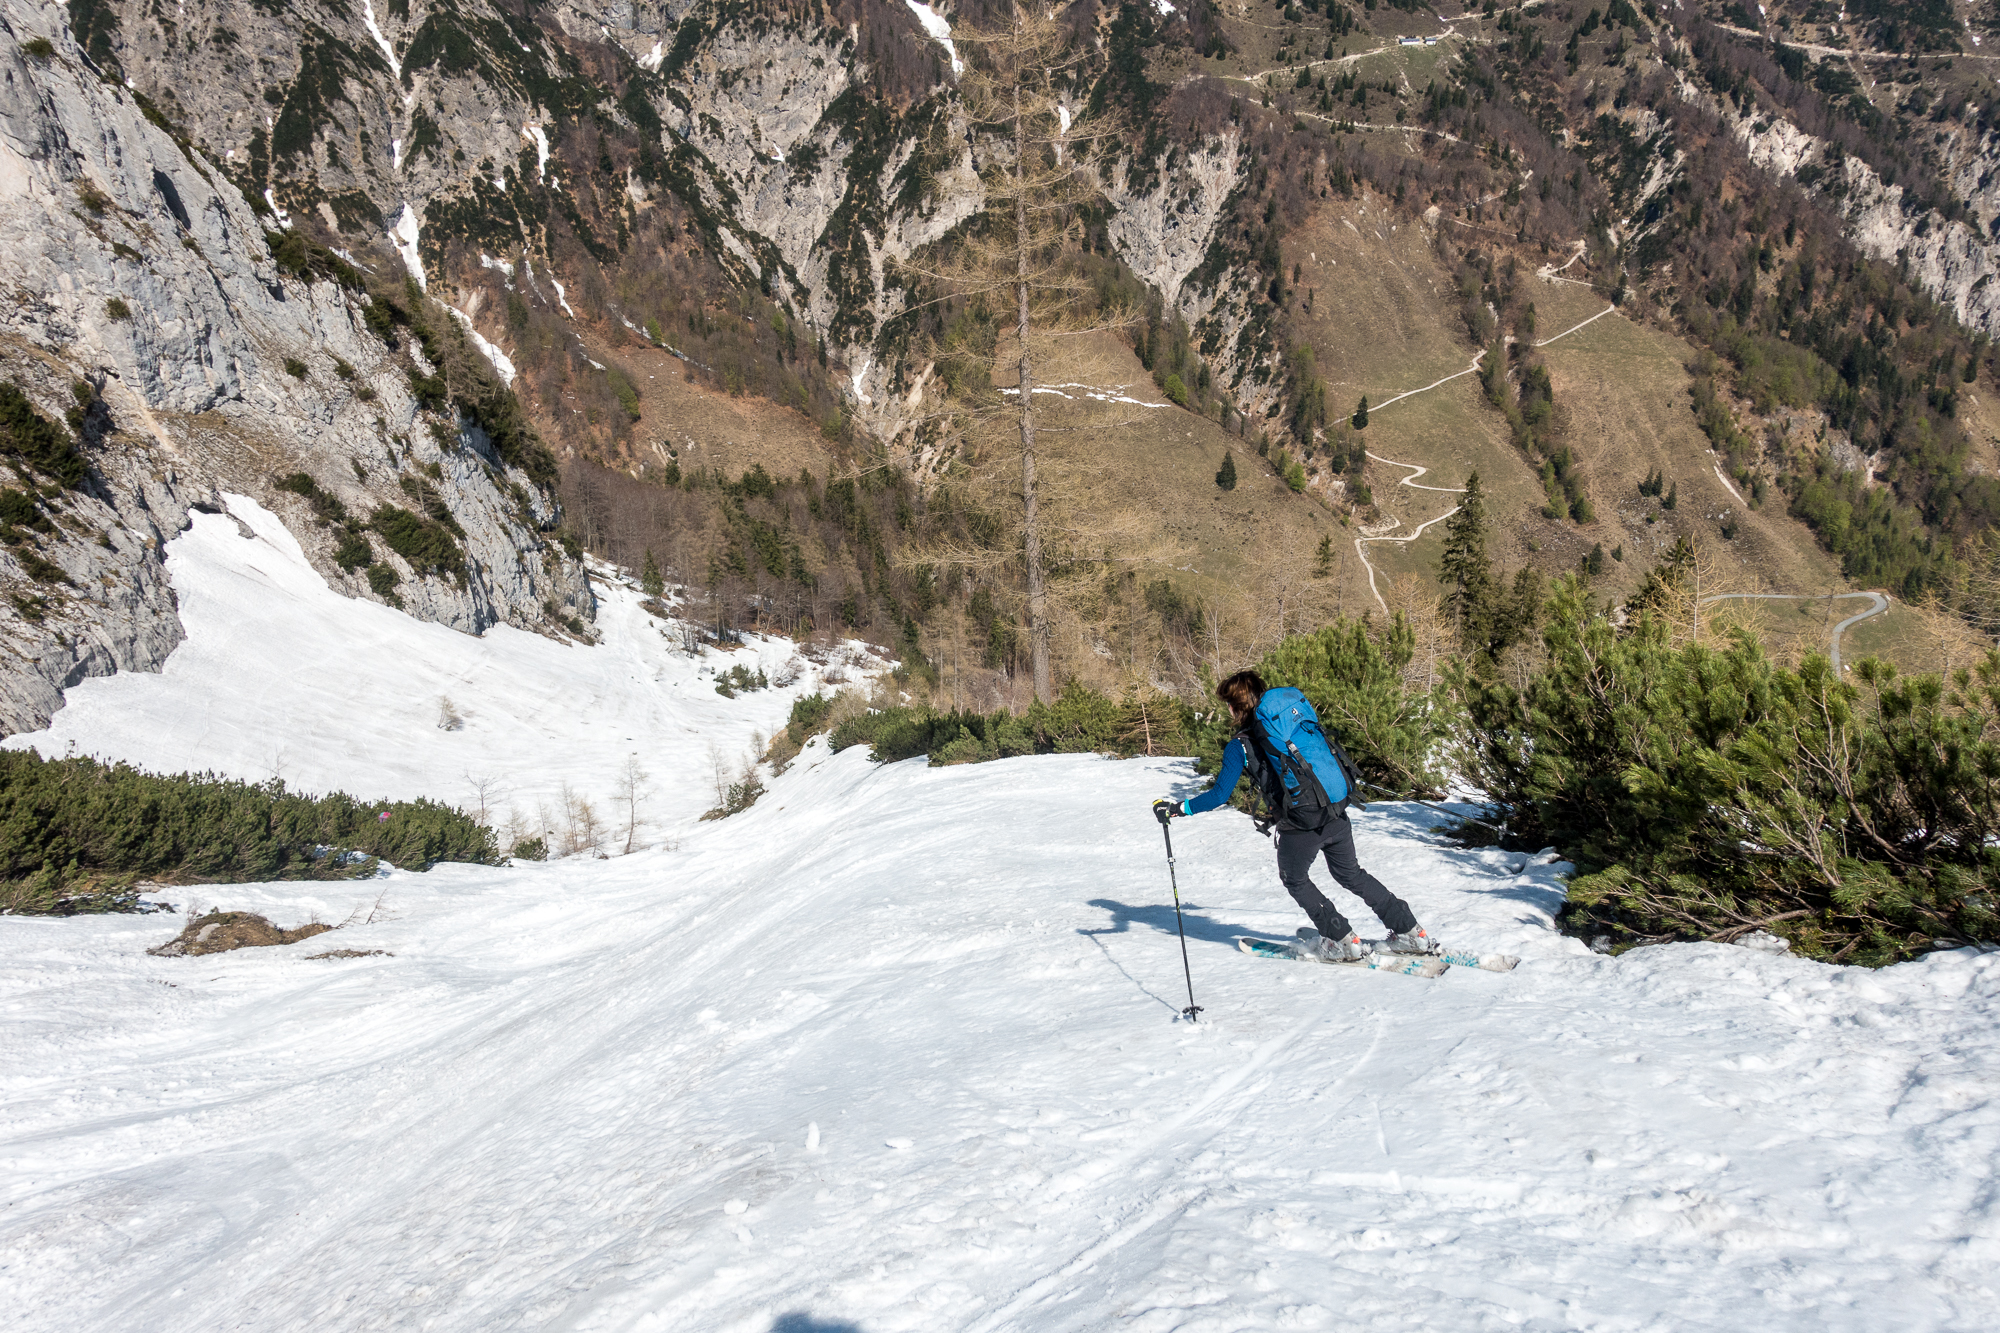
(536, 1110)
(577, 1094)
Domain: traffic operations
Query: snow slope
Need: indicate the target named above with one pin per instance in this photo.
(280, 676)
(897, 1049)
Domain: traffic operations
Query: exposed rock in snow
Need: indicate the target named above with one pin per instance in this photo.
(195, 393)
(500, 360)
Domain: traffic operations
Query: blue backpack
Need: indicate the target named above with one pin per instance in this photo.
(1309, 775)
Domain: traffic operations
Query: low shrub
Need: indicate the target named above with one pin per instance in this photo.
(429, 547)
(1079, 721)
(32, 438)
(739, 679)
(77, 835)
(809, 714)
(1704, 793)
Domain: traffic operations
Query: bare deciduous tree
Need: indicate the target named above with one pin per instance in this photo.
(485, 788)
(1433, 637)
(632, 788)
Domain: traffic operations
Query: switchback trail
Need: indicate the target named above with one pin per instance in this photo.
(1361, 543)
(1878, 603)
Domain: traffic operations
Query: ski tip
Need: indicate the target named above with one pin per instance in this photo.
(1263, 948)
(1500, 962)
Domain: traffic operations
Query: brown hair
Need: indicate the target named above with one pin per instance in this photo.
(1241, 692)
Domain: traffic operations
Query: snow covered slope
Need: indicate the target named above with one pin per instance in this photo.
(280, 676)
(897, 1049)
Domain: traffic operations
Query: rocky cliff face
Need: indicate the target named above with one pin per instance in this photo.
(137, 269)
(467, 128)
(1954, 262)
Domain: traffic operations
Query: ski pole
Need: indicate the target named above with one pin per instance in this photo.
(1163, 813)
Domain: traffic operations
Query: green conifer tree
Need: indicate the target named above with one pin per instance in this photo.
(1226, 478)
(1464, 568)
(650, 578)
(1361, 413)
(1323, 559)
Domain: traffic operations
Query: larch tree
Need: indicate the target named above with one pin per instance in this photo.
(1014, 274)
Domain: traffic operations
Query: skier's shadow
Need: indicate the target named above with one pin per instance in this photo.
(799, 1322)
(1160, 916)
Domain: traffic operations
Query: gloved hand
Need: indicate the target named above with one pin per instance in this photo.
(1163, 810)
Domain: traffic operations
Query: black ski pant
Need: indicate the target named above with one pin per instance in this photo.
(1296, 850)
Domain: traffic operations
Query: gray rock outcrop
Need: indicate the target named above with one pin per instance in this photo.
(136, 268)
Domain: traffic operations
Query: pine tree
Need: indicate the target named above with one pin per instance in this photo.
(1673, 497)
(1323, 559)
(1361, 413)
(1464, 568)
(1226, 478)
(650, 578)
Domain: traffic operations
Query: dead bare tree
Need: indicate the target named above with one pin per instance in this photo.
(632, 789)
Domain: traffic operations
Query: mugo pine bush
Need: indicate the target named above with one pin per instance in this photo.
(75, 835)
(1704, 793)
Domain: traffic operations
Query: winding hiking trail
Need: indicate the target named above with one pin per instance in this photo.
(1878, 603)
(1361, 543)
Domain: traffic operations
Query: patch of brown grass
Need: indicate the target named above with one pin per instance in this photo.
(219, 932)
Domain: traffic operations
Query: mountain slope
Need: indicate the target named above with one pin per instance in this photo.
(281, 676)
(898, 1049)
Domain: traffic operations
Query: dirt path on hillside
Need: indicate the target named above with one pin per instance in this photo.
(1361, 543)
(1879, 602)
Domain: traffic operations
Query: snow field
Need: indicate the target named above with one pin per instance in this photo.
(280, 676)
(897, 1049)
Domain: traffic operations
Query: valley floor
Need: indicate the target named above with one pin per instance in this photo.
(898, 1049)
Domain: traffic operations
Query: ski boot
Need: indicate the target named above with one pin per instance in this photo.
(1414, 940)
(1348, 950)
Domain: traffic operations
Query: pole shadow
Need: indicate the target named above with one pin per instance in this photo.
(798, 1321)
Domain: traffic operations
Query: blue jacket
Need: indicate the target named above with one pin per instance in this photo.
(1225, 782)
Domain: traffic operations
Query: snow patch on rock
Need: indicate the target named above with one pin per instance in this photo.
(940, 30)
(404, 236)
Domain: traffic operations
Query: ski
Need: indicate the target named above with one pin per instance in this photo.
(1403, 964)
(1499, 962)
(1494, 962)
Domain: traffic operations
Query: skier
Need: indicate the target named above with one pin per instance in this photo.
(1305, 783)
